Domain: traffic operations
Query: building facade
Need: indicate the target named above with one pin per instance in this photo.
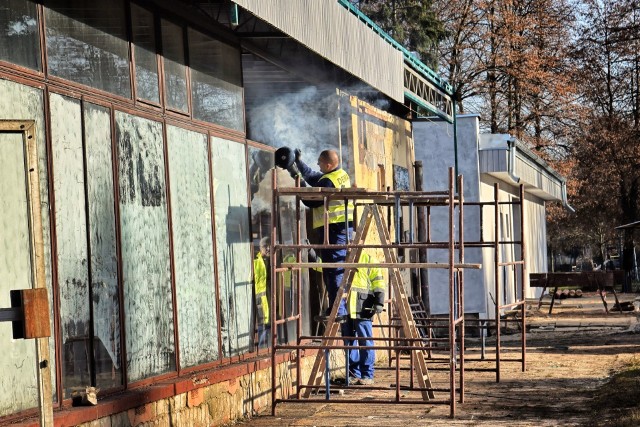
(485, 160)
(155, 126)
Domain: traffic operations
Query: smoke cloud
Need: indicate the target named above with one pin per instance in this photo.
(307, 120)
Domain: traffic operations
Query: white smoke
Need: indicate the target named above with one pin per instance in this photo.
(261, 200)
(307, 120)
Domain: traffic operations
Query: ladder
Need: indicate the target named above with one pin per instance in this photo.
(372, 214)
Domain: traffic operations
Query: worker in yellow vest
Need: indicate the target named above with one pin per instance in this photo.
(340, 218)
(261, 281)
(365, 299)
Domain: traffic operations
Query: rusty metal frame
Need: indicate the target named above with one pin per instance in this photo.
(27, 129)
(455, 265)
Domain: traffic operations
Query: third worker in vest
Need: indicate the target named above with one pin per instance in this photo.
(365, 299)
(340, 220)
(261, 291)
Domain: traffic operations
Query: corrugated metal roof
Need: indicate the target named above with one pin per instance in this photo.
(329, 30)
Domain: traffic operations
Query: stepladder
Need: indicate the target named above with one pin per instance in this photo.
(372, 217)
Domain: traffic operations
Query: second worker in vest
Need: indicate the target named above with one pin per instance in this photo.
(365, 299)
(340, 218)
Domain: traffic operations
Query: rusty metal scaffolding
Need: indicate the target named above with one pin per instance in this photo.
(519, 270)
(418, 346)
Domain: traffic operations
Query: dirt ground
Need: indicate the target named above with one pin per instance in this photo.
(570, 354)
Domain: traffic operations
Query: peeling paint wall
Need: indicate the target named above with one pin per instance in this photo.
(148, 311)
(18, 362)
(71, 237)
(102, 240)
(20, 102)
(233, 242)
(193, 246)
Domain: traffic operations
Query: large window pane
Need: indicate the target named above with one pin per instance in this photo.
(71, 238)
(87, 43)
(102, 239)
(19, 35)
(233, 245)
(24, 102)
(216, 88)
(18, 361)
(144, 41)
(148, 310)
(175, 71)
(193, 246)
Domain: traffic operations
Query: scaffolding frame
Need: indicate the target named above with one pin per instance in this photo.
(452, 199)
(519, 275)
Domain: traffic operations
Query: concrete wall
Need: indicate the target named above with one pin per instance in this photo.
(435, 148)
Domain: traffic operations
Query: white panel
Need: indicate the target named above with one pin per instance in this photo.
(192, 246)
(21, 102)
(71, 238)
(434, 147)
(102, 238)
(18, 363)
(146, 275)
(233, 245)
(330, 30)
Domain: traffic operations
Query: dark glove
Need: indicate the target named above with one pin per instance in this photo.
(378, 306)
(379, 296)
(294, 171)
(298, 154)
(311, 255)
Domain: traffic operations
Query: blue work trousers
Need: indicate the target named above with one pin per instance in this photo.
(361, 361)
(333, 276)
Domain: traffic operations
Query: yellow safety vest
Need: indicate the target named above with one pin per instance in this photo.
(260, 289)
(287, 274)
(336, 211)
(366, 281)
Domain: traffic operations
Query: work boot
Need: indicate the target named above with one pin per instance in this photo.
(366, 381)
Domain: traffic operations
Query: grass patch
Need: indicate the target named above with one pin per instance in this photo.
(617, 402)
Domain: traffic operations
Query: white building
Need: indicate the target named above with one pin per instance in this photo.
(484, 160)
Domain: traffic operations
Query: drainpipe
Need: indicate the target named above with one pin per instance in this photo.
(565, 201)
(511, 143)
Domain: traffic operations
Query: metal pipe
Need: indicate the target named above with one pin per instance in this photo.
(523, 275)
(396, 211)
(461, 280)
(496, 274)
(452, 351)
(272, 299)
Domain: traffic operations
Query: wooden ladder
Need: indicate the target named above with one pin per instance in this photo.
(400, 301)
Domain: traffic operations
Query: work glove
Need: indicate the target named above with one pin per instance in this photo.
(311, 255)
(294, 171)
(379, 304)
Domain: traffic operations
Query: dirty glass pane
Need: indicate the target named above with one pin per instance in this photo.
(175, 71)
(233, 242)
(102, 240)
(192, 246)
(148, 310)
(20, 101)
(18, 361)
(71, 238)
(19, 35)
(144, 41)
(87, 43)
(216, 87)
